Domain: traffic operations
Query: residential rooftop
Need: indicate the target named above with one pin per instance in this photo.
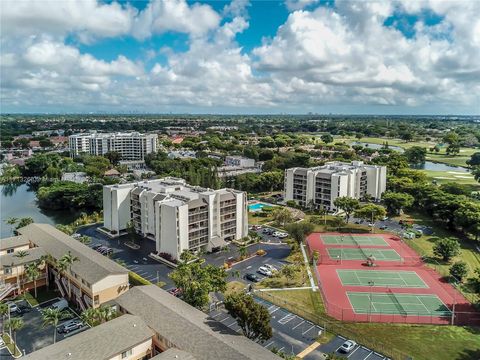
(12, 242)
(187, 328)
(98, 343)
(92, 266)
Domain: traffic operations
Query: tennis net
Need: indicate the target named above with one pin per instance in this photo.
(397, 303)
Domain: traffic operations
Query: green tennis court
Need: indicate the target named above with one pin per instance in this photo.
(348, 239)
(363, 253)
(397, 304)
(398, 279)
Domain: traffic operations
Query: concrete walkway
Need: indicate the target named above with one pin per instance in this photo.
(307, 265)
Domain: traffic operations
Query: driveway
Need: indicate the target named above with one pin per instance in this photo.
(135, 260)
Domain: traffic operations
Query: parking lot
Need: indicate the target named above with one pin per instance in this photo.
(292, 334)
(33, 336)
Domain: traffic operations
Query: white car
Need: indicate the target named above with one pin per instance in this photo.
(282, 235)
(12, 306)
(270, 267)
(264, 271)
(347, 346)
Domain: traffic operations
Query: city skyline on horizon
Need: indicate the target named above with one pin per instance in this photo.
(241, 57)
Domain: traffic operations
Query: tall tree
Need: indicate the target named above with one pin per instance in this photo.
(68, 260)
(14, 324)
(3, 312)
(416, 154)
(33, 273)
(347, 204)
(282, 215)
(299, 230)
(197, 281)
(253, 318)
(397, 201)
(371, 212)
(447, 248)
(24, 222)
(52, 317)
(12, 221)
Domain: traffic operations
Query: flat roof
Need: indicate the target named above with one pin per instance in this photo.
(98, 343)
(188, 328)
(92, 266)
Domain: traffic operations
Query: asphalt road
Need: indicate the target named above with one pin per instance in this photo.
(33, 336)
(292, 334)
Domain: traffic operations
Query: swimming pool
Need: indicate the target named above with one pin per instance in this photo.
(258, 206)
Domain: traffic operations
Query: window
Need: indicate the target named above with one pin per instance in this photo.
(7, 270)
(96, 300)
(127, 353)
(9, 251)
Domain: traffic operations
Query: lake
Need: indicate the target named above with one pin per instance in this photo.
(377, 146)
(432, 166)
(20, 201)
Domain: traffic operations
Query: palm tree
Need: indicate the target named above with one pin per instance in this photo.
(68, 260)
(243, 251)
(85, 240)
(52, 316)
(105, 313)
(21, 254)
(33, 273)
(14, 324)
(90, 316)
(3, 312)
(12, 221)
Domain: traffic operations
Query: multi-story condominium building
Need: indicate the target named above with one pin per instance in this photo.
(152, 324)
(92, 280)
(175, 215)
(131, 146)
(320, 186)
(239, 161)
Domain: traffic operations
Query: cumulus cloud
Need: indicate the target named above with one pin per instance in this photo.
(293, 5)
(340, 55)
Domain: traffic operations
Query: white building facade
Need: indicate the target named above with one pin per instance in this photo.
(131, 145)
(320, 186)
(175, 215)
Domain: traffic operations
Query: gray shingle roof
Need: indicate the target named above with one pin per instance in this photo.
(12, 259)
(187, 328)
(173, 354)
(101, 342)
(91, 266)
(12, 242)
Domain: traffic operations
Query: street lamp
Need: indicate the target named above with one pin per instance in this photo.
(371, 284)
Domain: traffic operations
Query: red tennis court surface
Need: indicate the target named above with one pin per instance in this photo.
(389, 299)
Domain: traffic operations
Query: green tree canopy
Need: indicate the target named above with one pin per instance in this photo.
(397, 201)
(446, 248)
(416, 154)
(252, 317)
(459, 270)
(347, 204)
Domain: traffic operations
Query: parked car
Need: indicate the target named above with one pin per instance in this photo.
(270, 267)
(257, 227)
(347, 346)
(252, 277)
(264, 271)
(96, 246)
(61, 304)
(22, 309)
(383, 227)
(268, 231)
(358, 221)
(70, 326)
(13, 307)
(282, 235)
(385, 218)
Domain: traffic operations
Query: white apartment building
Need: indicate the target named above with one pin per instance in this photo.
(131, 145)
(322, 185)
(175, 215)
(239, 161)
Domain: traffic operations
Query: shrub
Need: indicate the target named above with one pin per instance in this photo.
(261, 252)
(168, 257)
(136, 280)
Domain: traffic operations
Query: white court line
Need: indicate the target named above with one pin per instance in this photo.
(298, 325)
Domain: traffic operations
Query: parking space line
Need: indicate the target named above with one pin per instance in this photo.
(232, 323)
(219, 314)
(371, 352)
(228, 317)
(287, 318)
(298, 325)
(303, 333)
(270, 343)
(358, 347)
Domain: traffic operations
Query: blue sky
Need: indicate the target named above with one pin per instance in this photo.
(292, 56)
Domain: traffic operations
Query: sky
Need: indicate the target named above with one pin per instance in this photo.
(240, 57)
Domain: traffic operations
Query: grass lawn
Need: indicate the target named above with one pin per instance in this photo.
(442, 177)
(234, 287)
(424, 246)
(258, 220)
(299, 278)
(441, 156)
(423, 342)
(9, 343)
(43, 294)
